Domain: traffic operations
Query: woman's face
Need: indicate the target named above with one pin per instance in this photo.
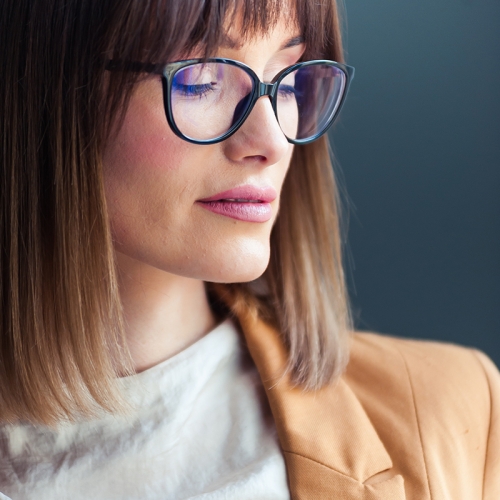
(155, 182)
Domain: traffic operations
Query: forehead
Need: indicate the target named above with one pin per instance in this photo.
(186, 26)
(230, 42)
(236, 34)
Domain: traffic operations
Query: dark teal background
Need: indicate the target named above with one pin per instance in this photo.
(418, 145)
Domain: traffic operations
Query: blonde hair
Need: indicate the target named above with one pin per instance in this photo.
(61, 328)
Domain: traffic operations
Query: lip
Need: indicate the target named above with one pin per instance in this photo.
(265, 194)
(245, 203)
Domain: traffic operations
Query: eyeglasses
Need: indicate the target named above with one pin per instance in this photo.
(207, 100)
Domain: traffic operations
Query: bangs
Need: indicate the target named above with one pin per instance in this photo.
(160, 31)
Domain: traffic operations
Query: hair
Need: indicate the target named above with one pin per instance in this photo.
(62, 343)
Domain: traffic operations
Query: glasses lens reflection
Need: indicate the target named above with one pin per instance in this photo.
(208, 98)
(310, 100)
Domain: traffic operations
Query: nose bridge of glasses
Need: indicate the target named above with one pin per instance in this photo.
(265, 89)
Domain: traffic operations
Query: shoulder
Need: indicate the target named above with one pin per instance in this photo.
(427, 368)
(447, 381)
(441, 400)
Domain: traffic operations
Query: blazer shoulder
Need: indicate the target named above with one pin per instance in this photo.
(442, 400)
(444, 365)
(436, 375)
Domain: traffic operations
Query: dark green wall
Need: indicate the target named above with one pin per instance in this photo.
(418, 145)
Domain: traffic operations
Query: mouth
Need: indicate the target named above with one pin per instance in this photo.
(241, 200)
(245, 203)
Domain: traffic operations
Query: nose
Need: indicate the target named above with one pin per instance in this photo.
(259, 139)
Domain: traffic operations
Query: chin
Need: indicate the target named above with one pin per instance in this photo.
(240, 265)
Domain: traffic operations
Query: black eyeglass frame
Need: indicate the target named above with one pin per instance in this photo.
(260, 89)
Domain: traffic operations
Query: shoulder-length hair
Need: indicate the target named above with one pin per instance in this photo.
(62, 344)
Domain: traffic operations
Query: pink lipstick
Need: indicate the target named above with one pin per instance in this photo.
(245, 203)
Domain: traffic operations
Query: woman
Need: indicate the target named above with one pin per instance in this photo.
(165, 333)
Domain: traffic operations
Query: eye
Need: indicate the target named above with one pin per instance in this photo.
(286, 92)
(287, 89)
(197, 80)
(189, 90)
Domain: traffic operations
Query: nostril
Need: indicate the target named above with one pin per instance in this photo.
(256, 158)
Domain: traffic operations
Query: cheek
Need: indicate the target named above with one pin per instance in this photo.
(144, 156)
(143, 164)
(144, 140)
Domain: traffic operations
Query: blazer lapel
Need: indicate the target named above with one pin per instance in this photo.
(330, 446)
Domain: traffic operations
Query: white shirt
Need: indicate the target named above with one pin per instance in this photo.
(200, 428)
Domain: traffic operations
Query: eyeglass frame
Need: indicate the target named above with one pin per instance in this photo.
(260, 89)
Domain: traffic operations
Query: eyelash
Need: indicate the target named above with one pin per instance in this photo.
(287, 90)
(193, 90)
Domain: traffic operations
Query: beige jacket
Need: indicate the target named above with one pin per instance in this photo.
(409, 420)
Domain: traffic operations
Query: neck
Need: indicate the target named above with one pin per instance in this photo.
(164, 313)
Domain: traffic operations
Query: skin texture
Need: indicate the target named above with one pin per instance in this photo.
(166, 243)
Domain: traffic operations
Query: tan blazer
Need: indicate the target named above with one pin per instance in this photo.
(409, 420)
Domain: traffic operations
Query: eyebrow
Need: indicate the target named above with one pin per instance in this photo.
(230, 43)
(292, 42)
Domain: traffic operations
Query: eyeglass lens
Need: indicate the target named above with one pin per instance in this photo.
(208, 99)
